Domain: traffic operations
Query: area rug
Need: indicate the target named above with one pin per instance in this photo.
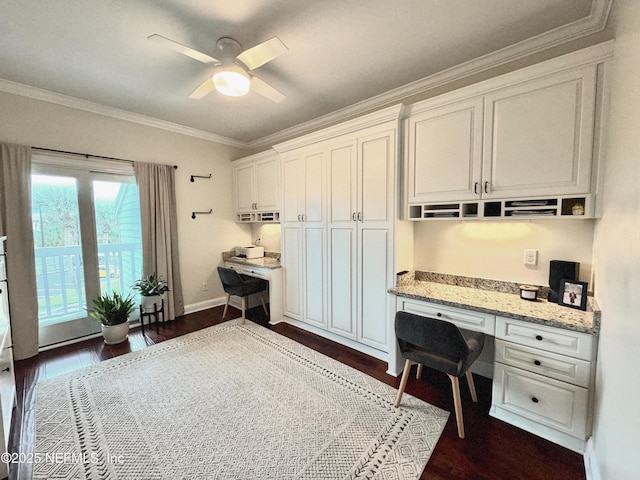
(234, 402)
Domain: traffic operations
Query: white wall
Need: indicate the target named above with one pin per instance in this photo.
(617, 260)
(495, 250)
(201, 241)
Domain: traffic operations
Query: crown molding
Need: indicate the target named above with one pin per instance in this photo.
(594, 23)
(88, 106)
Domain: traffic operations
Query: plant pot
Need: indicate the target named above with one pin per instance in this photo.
(148, 303)
(115, 333)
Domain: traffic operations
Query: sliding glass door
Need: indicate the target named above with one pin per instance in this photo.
(87, 237)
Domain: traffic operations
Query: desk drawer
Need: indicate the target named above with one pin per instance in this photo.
(551, 339)
(250, 270)
(467, 319)
(560, 367)
(549, 402)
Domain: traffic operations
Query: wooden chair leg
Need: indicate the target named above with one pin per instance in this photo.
(226, 305)
(403, 381)
(264, 306)
(419, 371)
(455, 386)
(472, 386)
(244, 307)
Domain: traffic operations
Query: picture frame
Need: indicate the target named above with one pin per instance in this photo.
(573, 294)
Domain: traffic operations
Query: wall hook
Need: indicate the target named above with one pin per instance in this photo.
(193, 177)
(193, 214)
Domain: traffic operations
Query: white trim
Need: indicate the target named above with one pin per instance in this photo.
(594, 23)
(80, 104)
(199, 306)
(592, 469)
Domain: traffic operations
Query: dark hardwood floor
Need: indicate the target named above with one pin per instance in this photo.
(492, 449)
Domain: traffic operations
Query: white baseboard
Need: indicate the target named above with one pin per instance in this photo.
(198, 307)
(591, 466)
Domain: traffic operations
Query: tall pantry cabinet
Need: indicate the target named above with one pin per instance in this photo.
(339, 229)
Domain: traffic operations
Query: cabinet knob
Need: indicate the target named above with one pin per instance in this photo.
(537, 362)
(534, 400)
(438, 314)
(539, 337)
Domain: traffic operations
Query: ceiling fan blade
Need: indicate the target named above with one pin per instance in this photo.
(262, 53)
(203, 90)
(178, 47)
(263, 88)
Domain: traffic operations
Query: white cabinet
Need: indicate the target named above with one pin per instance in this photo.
(257, 187)
(338, 230)
(7, 378)
(361, 219)
(445, 152)
(542, 381)
(529, 135)
(304, 236)
(538, 136)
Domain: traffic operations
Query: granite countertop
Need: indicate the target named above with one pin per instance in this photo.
(270, 260)
(497, 301)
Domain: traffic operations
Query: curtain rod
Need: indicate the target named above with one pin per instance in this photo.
(86, 155)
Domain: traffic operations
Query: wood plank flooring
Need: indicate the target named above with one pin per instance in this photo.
(493, 450)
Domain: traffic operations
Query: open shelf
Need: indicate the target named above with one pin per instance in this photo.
(259, 217)
(547, 207)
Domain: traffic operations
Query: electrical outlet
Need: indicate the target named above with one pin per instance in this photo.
(530, 257)
(204, 287)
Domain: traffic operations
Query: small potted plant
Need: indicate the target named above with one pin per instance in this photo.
(151, 288)
(112, 311)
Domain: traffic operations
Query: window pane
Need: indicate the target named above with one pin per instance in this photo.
(117, 214)
(59, 263)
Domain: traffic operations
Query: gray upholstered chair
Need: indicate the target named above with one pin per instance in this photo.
(241, 286)
(440, 345)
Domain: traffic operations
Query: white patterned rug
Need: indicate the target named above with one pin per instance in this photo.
(229, 402)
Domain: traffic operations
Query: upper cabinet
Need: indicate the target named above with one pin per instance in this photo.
(523, 144)
(257, 188)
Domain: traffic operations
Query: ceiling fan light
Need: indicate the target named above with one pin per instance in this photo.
(232, 82)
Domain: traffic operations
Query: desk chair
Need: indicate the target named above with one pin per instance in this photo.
(439, 345)
(241, 286)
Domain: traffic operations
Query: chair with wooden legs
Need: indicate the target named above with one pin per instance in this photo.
(241, 286)
(440, 345)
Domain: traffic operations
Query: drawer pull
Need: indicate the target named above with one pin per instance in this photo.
(534, 400)
(538, 337)
(6, 369)
(537, 362)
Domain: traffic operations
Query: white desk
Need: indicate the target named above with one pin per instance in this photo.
(268, 269)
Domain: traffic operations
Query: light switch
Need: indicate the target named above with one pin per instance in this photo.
(530, 257)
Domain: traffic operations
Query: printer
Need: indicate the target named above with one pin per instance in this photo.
(250, 251)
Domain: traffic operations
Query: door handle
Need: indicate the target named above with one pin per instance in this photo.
(486, 187)
(353, 216)
(475, 188)
(360, 216)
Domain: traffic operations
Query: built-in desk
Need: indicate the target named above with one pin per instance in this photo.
(544, 363)
(267, 268)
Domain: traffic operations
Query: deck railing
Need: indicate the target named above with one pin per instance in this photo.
(60, 277)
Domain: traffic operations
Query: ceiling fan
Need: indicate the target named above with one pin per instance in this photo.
(230, 75)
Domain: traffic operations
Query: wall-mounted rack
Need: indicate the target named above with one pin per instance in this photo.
(193, 214)
(193, 177)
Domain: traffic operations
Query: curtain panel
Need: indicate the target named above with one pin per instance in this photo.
(159, 220)
(15, 223)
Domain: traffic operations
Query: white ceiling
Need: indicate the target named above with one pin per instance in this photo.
(344, 55)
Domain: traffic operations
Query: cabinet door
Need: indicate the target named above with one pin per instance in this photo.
(291, 260)
(267, 185)
(293, 189)
(244, 177)
(342, 239)
(314, 188)
(315, 250)
(538, 136)
(445, 153)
